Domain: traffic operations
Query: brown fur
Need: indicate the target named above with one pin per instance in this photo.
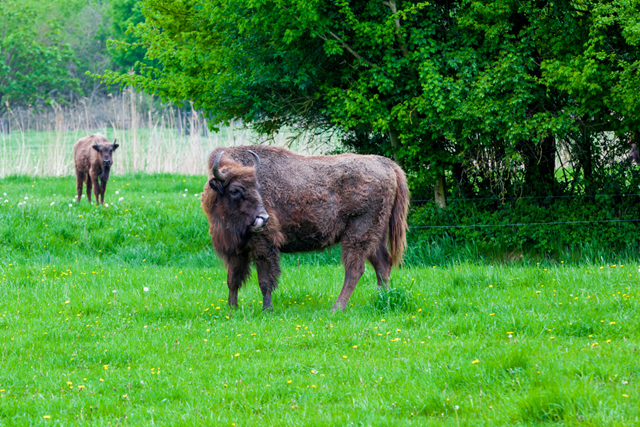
(312, 202)
(90, 165)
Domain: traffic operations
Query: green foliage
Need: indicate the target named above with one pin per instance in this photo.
(125, 50)
(487, 90)
(605, 222)
(34, 65)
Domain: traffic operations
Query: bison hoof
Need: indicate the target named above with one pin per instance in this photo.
(268, 308)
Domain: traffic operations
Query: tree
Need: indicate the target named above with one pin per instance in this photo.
(125, 14)
(448, 88)
(33, 67)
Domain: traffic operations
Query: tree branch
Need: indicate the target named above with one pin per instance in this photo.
(394, 10)
(349, 49)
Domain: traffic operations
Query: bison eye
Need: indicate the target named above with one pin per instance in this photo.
(234, 192)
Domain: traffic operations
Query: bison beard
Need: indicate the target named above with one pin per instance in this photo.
(269, 201)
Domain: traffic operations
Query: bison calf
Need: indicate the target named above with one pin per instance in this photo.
(93, 156)
(262, 201)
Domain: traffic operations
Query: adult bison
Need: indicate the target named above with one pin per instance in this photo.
(93, 156)
(262, 201)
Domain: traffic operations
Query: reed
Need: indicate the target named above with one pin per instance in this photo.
(153, 137)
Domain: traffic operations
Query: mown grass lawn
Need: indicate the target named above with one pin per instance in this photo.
(117, 315)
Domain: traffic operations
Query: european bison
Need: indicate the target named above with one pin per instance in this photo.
(93, 156)
(262, 201)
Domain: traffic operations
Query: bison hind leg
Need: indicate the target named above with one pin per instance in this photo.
(353, 256)
(381, 262)
(80, 179)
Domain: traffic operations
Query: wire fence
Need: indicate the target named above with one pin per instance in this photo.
(499, 199)
(522, 224)
(419, 202)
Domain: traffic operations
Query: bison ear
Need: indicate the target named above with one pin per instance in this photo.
(216, 185)
(96, 147)
(115, 146)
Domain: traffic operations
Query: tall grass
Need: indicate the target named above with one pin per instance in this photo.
(153, 137)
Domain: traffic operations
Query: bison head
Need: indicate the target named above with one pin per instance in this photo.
(106, 151)
(238, 201)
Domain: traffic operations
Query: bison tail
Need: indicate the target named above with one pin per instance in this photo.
(398, 219)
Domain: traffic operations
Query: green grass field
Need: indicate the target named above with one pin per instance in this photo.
(117, 315)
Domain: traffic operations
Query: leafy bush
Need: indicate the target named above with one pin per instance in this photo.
(546, 226)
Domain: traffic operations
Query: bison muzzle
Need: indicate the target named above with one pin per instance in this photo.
(263, 201)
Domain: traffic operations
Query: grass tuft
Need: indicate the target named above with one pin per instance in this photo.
(392, 300)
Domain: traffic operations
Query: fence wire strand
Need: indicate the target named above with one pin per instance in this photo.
(523, 224)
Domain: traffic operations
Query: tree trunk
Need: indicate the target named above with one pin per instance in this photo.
(395, 144)
(585, 158)
(539, 163)
(548, 163)
(439, 190)
(461, 180)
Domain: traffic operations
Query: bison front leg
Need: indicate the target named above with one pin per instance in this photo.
(103, 189)
(268, 273)
(237, 272)
(95, 183)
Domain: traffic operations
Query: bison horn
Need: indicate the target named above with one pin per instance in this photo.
(216, 172)
(114, 141)
(257, 159)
